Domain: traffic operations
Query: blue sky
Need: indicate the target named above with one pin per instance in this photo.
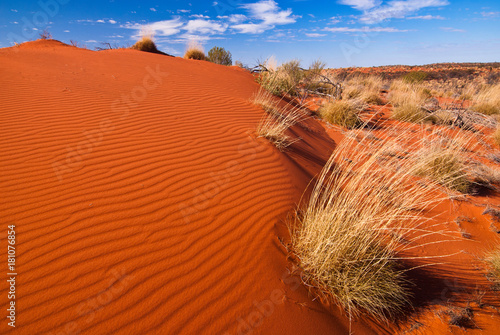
(342, 33)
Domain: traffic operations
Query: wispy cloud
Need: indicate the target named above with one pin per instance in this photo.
(160, 28)
(268, 13)
(112, 21)
(374, 11)
(426, 17)
(205, 27)
(364, 29)
(455, 30)
(361, 4)
(315, 35)
(490, 14)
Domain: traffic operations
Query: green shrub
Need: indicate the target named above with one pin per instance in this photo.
(342, 113)
(220, 56)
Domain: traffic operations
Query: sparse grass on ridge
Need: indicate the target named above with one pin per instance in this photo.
(277, 120)
(348, 238)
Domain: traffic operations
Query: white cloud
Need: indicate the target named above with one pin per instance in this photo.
(361, 4)
(315, 35)
(199, 16)
(66, 31)
(237, 18)
(490, 14)
(160, 28)
(204, 27)
(454, 30)
(91, 41)
(268, 13)
(399, 9)
(364, 29)
(153, 9)
(112, 21)
(14, 10)
(184, 11)
(100, 21)
(426, 17)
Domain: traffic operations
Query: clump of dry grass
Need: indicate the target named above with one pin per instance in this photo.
(487, 100)
(409, 112)
(496, 135)
(355, 226)
(366, 88)
(278, 119)
(344, 113)
(494, 261)
(146, 44)
(408, 101)
(443, 162)
(195, 51)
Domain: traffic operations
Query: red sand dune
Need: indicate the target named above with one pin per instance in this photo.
(144, 204)
(142, 200)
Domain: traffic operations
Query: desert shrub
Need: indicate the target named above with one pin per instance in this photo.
(145, 44)
(408, 112)
(45, 35)
(195, 52)
(414, 77)
(347, 238)
(284, 80)
(220, 56)
(341, 112)
(239, 64)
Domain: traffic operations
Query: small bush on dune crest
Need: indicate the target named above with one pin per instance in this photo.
(486, 109)
(341, 112)
(350, 233)
(274, 124)
(195, 52)
(146, 44)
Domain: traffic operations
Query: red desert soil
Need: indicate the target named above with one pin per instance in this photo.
(145, 204)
